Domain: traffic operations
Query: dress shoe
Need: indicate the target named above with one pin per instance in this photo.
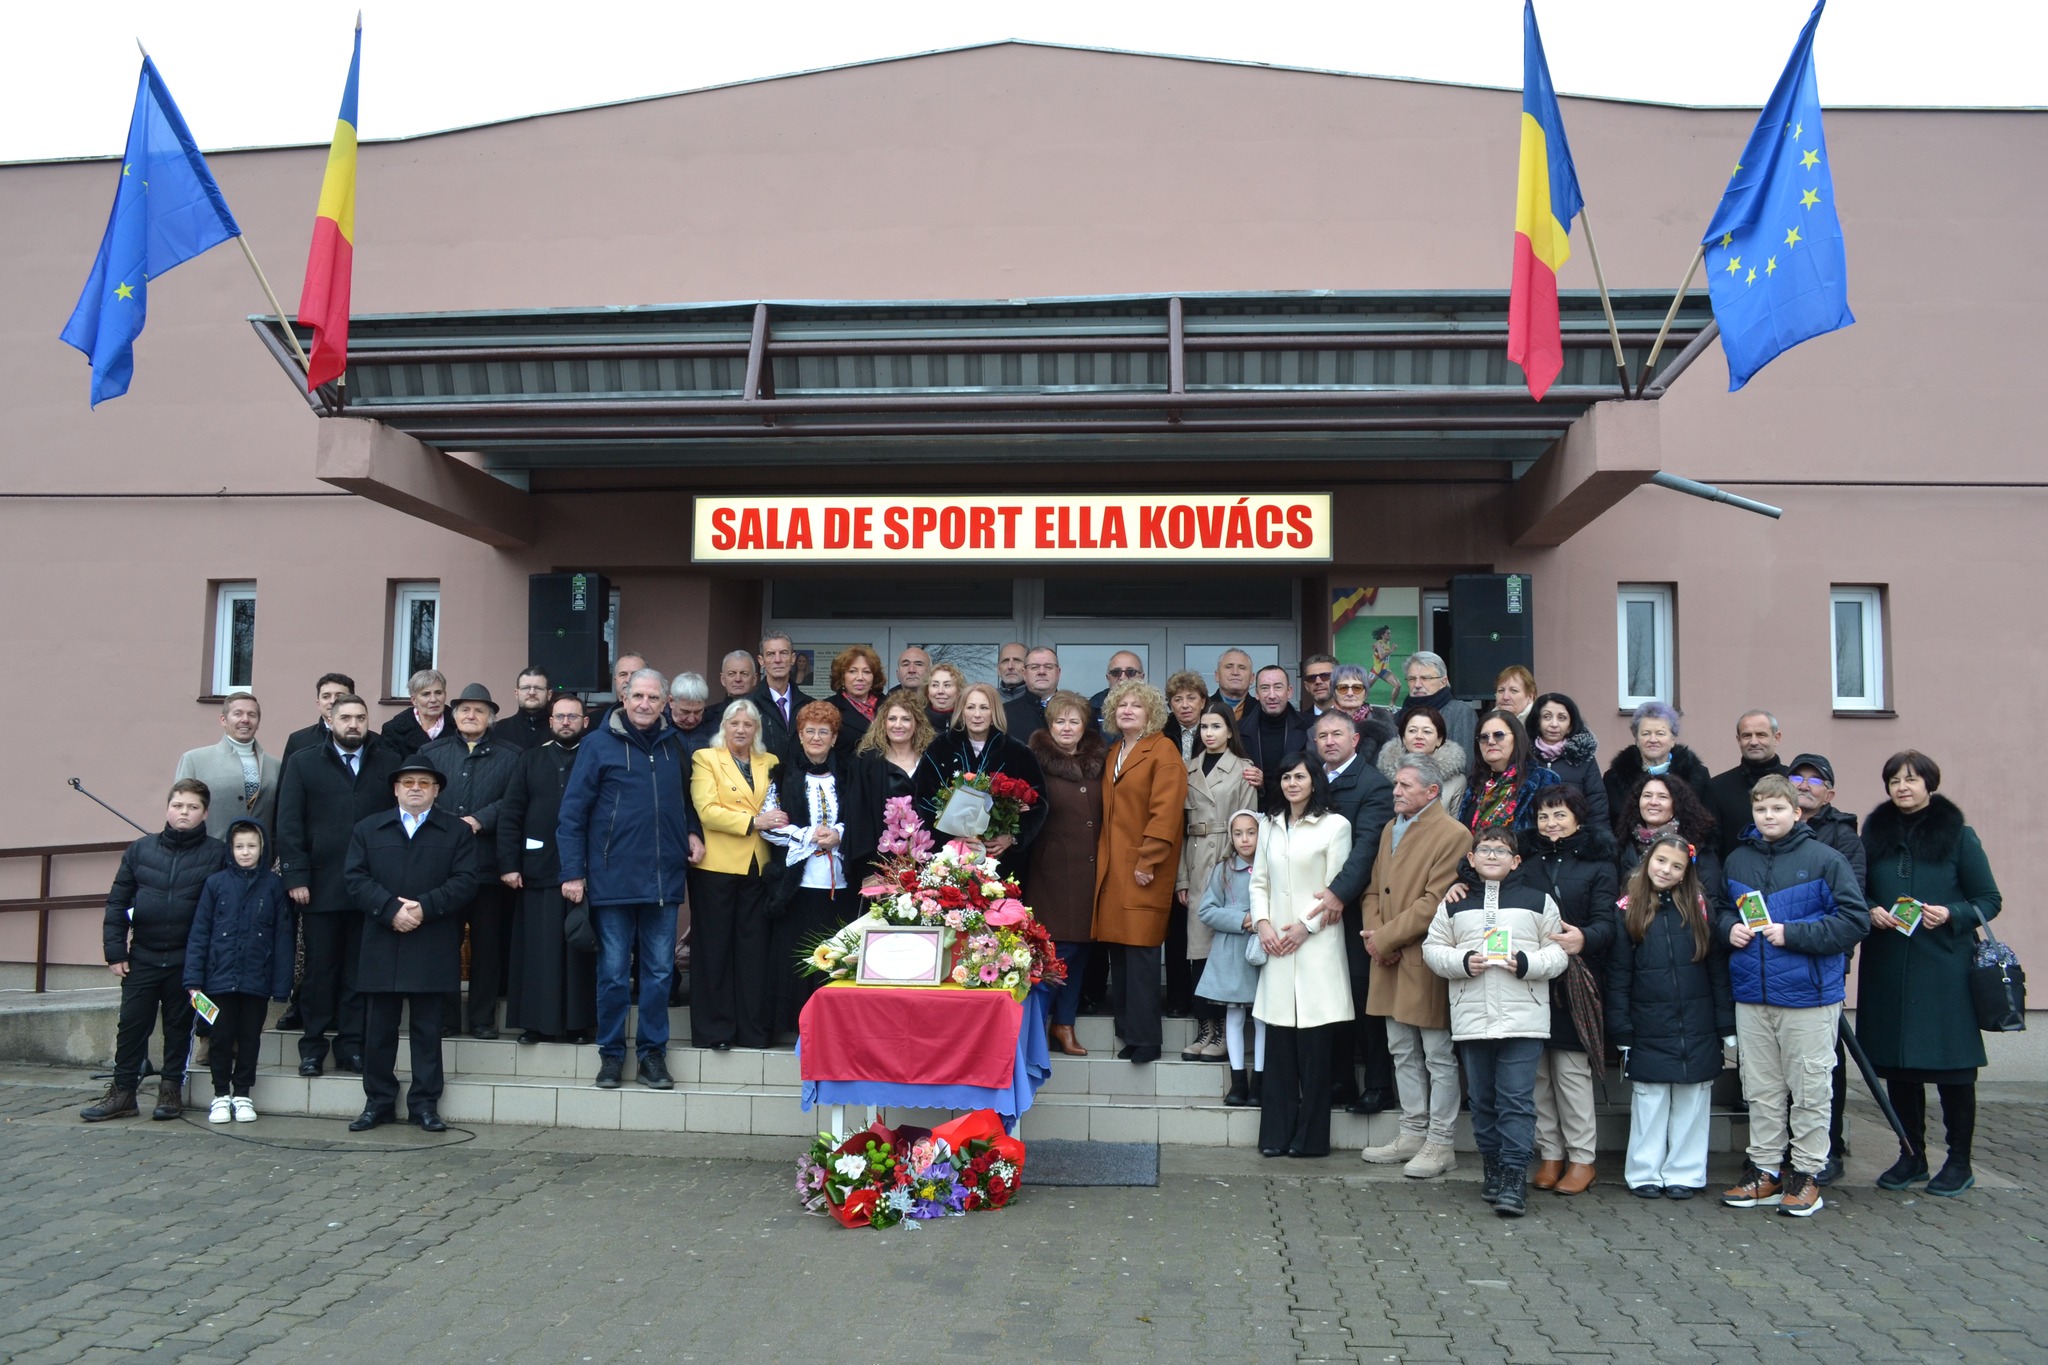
(1123, 1054)
(431, 1121)
(1140, 1056)
(1577, 1178)
(1368, 1102)
(352, 1063)
(609, 1070)
(1647, 1191)
(1681, 1191)
(652, 1072)
(368, 1119)
(1063, 1036)
(1272, 1151)
(290, 1021)
(1544, 1177)
(310, 1066)
(484, 1033)
(532, 1036)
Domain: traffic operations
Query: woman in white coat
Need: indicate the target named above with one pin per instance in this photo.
(1216, 788)
(1305, 988)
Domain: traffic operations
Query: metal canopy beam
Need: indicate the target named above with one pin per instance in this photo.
(387, 466)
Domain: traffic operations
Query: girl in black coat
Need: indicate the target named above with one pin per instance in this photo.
(240, 954)
(1670, 1012)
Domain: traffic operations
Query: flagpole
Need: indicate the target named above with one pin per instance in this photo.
(1656, 347)
(1606, 303)
(276, 307)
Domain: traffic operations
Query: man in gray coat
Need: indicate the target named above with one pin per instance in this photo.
(242, 778)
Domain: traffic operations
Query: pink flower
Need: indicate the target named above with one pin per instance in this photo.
(960, 974)
(1006, 911)
(989, 973)
(955, 920)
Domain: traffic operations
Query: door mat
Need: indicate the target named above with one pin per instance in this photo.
(1058, 1161)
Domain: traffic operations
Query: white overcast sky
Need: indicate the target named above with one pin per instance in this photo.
(254, 74)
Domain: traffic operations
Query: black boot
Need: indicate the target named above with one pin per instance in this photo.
(1239, 1094)
(1909, 1102)
(1910, 1168)
(1258, 1080)
(1490, 1191)
(1513, 1199)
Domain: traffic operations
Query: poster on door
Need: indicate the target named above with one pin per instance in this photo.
(1377, 629)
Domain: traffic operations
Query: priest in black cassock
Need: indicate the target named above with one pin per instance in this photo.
(553, 991)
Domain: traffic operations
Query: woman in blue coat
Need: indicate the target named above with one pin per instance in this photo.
(240, 955)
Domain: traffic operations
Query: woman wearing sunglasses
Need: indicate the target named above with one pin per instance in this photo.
(1500, 790)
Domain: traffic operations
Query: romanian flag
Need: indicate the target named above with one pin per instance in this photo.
(323, 303)
(1546, 201)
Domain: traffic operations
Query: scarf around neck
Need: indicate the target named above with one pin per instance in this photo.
(1499, 798)
(1549, 751)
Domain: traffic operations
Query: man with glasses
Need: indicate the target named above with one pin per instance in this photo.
(1429, 683)
(1318, 680)
(1010, 671)
(1813, 789)
(527, 727)
(411, 869)
(1757, 736)
(1026, 715)
(1123, 666)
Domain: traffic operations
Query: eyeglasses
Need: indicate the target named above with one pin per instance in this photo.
(1317, 677)
(414, 783)
(1814, 782)
(1494, 737)
(1126, 672)
(1351, 687)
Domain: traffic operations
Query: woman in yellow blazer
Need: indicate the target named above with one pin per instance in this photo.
(732, 974)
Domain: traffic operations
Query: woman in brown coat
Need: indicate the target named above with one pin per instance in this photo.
(1138, 858)
(1059, 884)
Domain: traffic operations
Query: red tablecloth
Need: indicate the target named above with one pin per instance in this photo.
(924, 1035)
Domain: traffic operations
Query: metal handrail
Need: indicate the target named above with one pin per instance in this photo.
(42, 903)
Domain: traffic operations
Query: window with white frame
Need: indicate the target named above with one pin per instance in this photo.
(415, 632)
(234, 637)
(1644, 631)
(1857, 630)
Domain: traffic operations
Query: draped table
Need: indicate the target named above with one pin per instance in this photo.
(922, 1047)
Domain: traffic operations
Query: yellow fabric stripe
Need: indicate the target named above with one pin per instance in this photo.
(1533, 217)
(338, 189)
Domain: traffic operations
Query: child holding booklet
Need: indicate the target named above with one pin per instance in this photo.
(1229, 978)
(1787, 976)
(1670, 1012)
(240, 958)
(1498, 949)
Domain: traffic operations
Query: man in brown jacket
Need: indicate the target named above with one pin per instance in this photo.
(1418, 859)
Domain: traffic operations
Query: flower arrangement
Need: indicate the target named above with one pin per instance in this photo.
(999, 945)
(903, 834)
(881, 1176)
(1011, 797)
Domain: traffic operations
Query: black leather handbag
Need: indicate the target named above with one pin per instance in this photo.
(1998, 984)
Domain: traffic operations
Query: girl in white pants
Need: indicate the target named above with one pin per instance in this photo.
(1668, 1010)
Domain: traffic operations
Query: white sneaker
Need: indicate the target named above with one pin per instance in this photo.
(221, 1110)
(1394, 1153)
(1433, 1160)
(245, 1111)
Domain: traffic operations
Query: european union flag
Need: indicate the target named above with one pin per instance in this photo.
(166, 211)
(1776, 271)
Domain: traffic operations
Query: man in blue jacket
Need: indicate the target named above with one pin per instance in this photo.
(627, 839)
(1787, 974)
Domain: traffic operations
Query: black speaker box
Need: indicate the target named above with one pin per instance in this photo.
(1492, 626)
(565, 615)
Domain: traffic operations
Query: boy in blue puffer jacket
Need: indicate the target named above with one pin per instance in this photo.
(1787, 977)
(240, 954)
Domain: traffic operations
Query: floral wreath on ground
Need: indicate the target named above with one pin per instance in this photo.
(882, 1176)
(996, 942)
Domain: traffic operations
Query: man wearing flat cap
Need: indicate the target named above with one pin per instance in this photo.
(1813, 783)
(410, 871)
(476, 770)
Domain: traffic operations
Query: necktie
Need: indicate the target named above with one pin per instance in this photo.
(782, 705)
(353, 770)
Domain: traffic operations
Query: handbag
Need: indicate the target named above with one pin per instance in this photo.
(577, 930)
(1998, 984)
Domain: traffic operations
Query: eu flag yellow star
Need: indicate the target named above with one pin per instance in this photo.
(1810, 160)
(1792, 237)
(1727, 238)
(1752, 276)
(1810, 198)
(124, 290)
(1771, 266)
(1734, 264)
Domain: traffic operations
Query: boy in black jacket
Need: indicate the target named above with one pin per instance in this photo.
(149, 918)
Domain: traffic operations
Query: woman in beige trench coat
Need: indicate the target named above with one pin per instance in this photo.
(1216, 787)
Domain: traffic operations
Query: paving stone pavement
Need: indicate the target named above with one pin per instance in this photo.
(140, 1241)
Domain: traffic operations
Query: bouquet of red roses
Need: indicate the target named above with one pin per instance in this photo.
(1010, 798)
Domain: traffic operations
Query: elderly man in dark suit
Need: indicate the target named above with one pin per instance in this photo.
(777, 697)
(1364, 797)
(327, 791)
(476, 768)
(411, 869)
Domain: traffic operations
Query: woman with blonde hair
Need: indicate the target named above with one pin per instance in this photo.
(1138, 859)
(732, 995)
(978, 745)
(943, 687)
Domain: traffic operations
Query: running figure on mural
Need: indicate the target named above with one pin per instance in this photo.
(1382, 669)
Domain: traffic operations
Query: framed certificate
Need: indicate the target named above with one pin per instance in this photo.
(897, 956)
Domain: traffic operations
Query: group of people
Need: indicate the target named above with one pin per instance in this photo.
(1355, 903)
